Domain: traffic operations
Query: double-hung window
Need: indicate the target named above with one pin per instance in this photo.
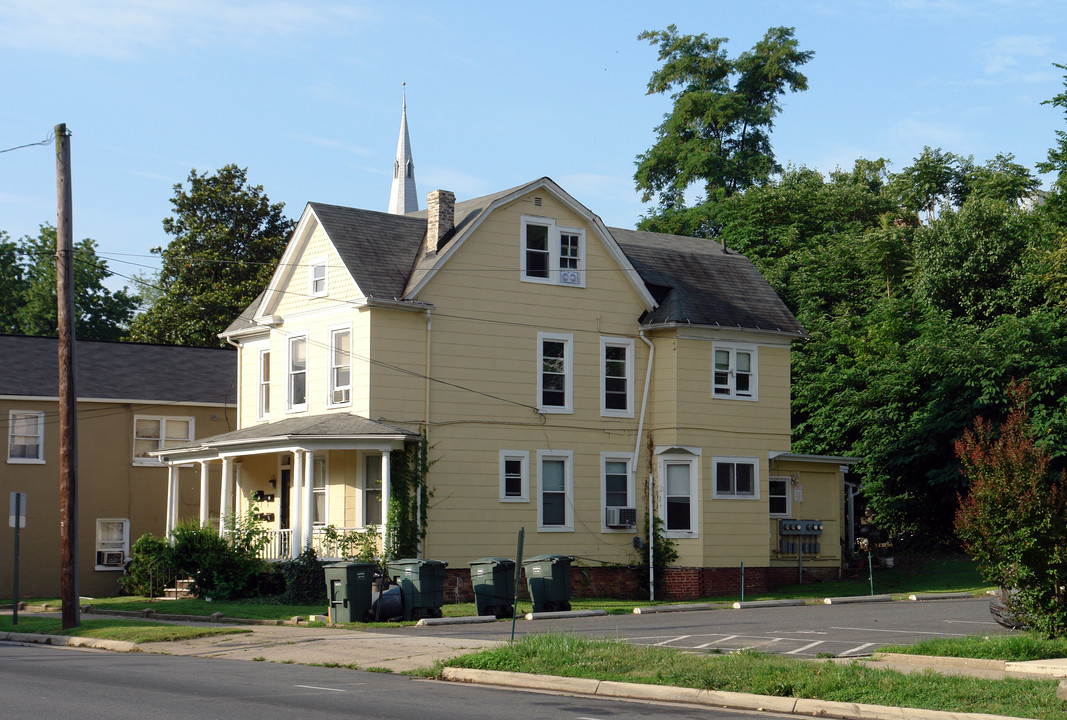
(264, 384)
(152, 432)
(679, 484)
(616, 490)
(555, 491)
(778, 496)
(372, 490)
(514, 476)
(555, 372)
(25, 443)
(736, 477)
(552, 254)
(617, 377)
(340, 367)
(112, 543)
(734, 371)
(318, 490)
(317, 278)
(298, 369)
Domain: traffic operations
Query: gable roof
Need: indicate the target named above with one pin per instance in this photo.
(697, 282)
(120, 371)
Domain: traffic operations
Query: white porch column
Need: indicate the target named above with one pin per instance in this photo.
(297, 540)
(307, 504)
(226, 500)
(172, 498)
(203, 493)
(387, 491)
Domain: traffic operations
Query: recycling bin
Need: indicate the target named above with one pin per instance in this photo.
(422, 586)
(349, 587)
(493, 580)
(549, 580)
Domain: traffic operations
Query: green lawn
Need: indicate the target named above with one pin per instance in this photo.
(136, 631)
(1017, 647)
(761, 674)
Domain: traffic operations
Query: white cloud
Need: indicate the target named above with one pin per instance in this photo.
(1011, 57)
(126, 29)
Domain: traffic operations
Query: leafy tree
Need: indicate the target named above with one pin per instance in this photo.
(1000, 179)
(1014, 519)
(228, 238)
(28, 290)
(927, 182)
(718, 132)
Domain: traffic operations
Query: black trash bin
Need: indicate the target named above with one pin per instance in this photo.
(549, 580)
(422, 586)
(348, 585)
(493, 580)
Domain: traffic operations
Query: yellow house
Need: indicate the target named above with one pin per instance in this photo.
(567, 378)
(132, 399)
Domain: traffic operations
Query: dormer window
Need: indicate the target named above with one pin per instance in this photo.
(552, 254)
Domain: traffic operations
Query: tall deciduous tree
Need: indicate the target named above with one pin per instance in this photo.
(718, 132)
(28, 290)
(228, 238)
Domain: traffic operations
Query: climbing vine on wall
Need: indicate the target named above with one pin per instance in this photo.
(409, 500)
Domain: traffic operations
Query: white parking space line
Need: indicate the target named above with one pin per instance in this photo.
(900, 632)
(316, 687)
(672, 640)
(802, 648)
(720, 640)
(858, 648)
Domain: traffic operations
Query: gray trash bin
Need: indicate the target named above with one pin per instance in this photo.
(422, 586)
(549, 580)
(493, 580)
(348, 585)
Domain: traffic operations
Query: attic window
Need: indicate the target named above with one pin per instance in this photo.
(551, 254)
(317, 278)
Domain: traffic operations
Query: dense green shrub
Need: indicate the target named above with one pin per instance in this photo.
(303, 578)
(149, 569)
(222, 567)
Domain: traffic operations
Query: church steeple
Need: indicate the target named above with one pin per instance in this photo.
(403, 197)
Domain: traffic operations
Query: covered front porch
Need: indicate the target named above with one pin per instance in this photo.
(299, 477)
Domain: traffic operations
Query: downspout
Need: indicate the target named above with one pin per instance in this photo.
(637, 450)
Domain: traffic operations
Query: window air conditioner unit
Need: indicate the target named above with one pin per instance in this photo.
(622, 517)
(340, 396)
(112, 558)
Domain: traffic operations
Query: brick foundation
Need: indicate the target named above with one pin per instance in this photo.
(679, 583)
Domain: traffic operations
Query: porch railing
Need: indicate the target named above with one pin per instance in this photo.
(280, 544)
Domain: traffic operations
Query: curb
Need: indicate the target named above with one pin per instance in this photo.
(858, 599)
(565, 614)
(466, 620)
(768, 603)
(670, 608)
(70, 641)
(715, 698)
(940, 596)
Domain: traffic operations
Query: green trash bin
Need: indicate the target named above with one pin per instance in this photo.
(422, 586)
(493, 580)
(348, 585)
(549, 580)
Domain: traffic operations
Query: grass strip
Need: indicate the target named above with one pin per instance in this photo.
(136, 631)
(1017, 647)
(762, 674)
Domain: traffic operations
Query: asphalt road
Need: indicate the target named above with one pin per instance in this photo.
(809, 630)
(42, 683)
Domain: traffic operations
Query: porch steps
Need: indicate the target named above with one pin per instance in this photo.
(179, 591)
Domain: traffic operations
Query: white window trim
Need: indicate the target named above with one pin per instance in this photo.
(329, 398)
(364, 490)
(289, 405)
(262, 386)
(733, 349)
(39, 460)
(567, 456)
(162, 435)
(524, 457)
(631, 496)
(678, 456)
(125, 543)
(554, 269)
(568, 382)
(325, 491)
(628, 343)
(788, 480)
(319, 262)
(754, 462)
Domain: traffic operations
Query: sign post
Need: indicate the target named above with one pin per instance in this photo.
(17, 520)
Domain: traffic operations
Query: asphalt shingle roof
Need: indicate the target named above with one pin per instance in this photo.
(120, 371)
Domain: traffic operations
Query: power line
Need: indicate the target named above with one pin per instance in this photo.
(47, 141)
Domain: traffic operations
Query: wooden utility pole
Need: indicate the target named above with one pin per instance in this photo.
(68, 397)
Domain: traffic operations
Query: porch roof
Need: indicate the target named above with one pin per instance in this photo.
(332, 431)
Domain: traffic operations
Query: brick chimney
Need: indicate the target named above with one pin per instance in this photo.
(440, 217)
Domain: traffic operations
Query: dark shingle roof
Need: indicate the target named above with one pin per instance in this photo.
(697, 282)
(310, 426)
(120, 371)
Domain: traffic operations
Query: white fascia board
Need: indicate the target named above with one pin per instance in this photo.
(722, 330)
(599, 229)
(792, 457)
(121, 401)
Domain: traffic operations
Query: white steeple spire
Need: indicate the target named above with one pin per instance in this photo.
(403, 197)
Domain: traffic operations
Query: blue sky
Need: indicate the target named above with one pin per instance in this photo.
(307, 96)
